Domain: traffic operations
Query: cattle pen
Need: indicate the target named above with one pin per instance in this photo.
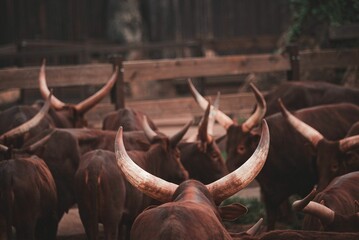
(290, 63)
(170, 113)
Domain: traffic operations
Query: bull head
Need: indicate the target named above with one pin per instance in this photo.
(205, 163)
(74, 113)
(27, 126)
(241, 139)
(221, 189)
(330, 219)
(226, 121)
(334, 158)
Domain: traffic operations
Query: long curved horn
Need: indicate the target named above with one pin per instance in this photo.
(349, 143)
(149, 184)
(91, 101)
(203, 127)
(221, 118)
(150, 134)
(304, 129)
(3, 148)
(254, 230)
(212, 116)
(33, 147)
(44, 90)
(325, 214)
(259, 113)
(27, 126)
(300, 204)
(242, 176)
(175, 139)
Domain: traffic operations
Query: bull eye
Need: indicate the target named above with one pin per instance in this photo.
(241, 149)
(334, 167)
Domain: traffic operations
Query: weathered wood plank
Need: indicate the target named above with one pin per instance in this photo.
(241, 43)
(175, 107)
(329, 59)
(232, 104)
(59, 76)
(203, 67)
(347, 31)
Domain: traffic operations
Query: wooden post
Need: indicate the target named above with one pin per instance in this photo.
(118, 91)
(294, 73)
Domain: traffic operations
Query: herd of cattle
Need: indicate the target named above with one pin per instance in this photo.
(302, 139)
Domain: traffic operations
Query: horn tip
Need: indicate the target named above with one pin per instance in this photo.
(119, 134)
(296, 206)
(282, 108)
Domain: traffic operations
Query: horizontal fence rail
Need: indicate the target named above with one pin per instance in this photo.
(150, 70)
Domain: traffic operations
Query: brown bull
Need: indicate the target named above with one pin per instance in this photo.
(100, 193)
(16, 116)
(335, 209)
(289, 169)
(61, 115)
(161, 159)
(60, 150)
(333, 158)
(130, 119)
(190, 209)
(201, 156)
(28, 199)
(66, 115)
(303, 94)
(23, 130)
(92, 139)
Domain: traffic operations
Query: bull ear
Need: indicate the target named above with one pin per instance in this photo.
(175, 139)
(232, 212)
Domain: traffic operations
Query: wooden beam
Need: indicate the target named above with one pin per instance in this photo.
(294, 72)
(241, 43)
(347, 31)
(180, 107)
(329, 59)
(203, 67)
(62, 76)
(239, 104)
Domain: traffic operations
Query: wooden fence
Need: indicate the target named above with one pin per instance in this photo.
(150, 70)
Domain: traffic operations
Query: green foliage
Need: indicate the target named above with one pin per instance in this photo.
(306, 13)
(224, 155)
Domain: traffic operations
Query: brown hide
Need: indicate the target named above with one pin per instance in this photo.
(129, 119)
(289, 168)
(201, 156)
(61, 153)
(190, 210)
(339, 196)
(191, 215)
(332, 162)
(28, 199)
(204, 164)
(100, 193)
(333, 157)
(17, 115)
(303, 94)
(161, 160)
(67, 117)
(301, 235)
(92, 139)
